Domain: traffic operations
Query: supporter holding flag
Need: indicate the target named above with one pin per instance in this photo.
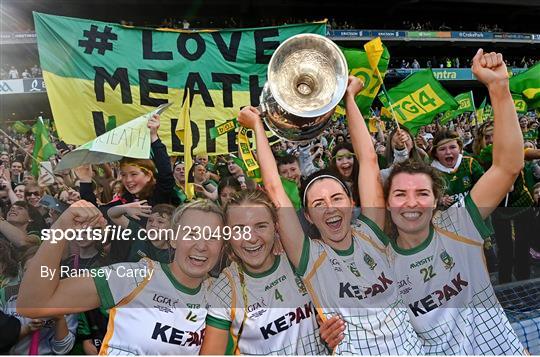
(152, 180)
(142, 179)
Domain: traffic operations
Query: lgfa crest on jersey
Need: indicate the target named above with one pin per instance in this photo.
(447, 260)
(369, 261)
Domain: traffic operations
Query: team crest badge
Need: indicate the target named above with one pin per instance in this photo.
(300, 284)
(369, 261)
(352, 268)
(466, 181)
(447, 260)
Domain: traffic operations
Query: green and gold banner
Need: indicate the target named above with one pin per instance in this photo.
(95, 71)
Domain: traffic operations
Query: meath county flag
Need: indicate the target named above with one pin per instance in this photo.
(466, 104)
(418, 99)
(185, 135)
(528, 85)
(480, 112)
(21, 127)
(43, 148)
(359, 66)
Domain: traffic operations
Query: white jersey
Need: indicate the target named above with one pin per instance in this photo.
(446, 286)
(152, 314)
(359, 285)
(268, 314)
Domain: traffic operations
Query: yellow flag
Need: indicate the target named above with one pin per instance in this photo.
(374, 50)
(185, 135)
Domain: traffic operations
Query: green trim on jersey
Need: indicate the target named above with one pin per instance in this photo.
(264, 273)
(104, 292)
(177, 284)
(218, 323)
(375, 228)
(346, 252)
(481, 225)
(418, 248)
(304, 258)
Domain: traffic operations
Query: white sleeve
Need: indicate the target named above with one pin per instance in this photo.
(113, 285)
(464, 219)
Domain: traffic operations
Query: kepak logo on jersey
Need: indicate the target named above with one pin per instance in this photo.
(284, 322)
(438, 297)
(346, 290)
(172, 335)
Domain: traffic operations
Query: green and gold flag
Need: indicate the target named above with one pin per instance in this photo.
(43, 148)
(359, 66)
(466, 104)
(21, 127)
(95, 70)
(418, 99)
(480, 112)
(519, 103)
(527, 84)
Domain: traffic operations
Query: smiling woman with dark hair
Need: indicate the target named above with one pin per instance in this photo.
(21, 220)
(437, 255)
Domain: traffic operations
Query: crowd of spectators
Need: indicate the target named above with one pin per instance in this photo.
(453, 62)
(8, 71)
(333, 23)
(24, 213)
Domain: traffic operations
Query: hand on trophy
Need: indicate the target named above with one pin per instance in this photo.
(249, 117)
(354, 86)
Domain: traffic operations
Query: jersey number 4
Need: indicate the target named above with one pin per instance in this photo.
(428, 273)
(278, 295)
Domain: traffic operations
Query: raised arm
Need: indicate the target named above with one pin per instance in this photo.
(507, 138)
(290, 230)
(41, 295)
(13, 234)
(164, 188)
(369, 181)
(136, 210)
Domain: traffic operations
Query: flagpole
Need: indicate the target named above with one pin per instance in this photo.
(387, 97)
(474, 105)
(33, 158)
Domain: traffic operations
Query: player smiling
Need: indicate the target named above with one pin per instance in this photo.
(161, 313)
(346, 272)
(258, 298)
